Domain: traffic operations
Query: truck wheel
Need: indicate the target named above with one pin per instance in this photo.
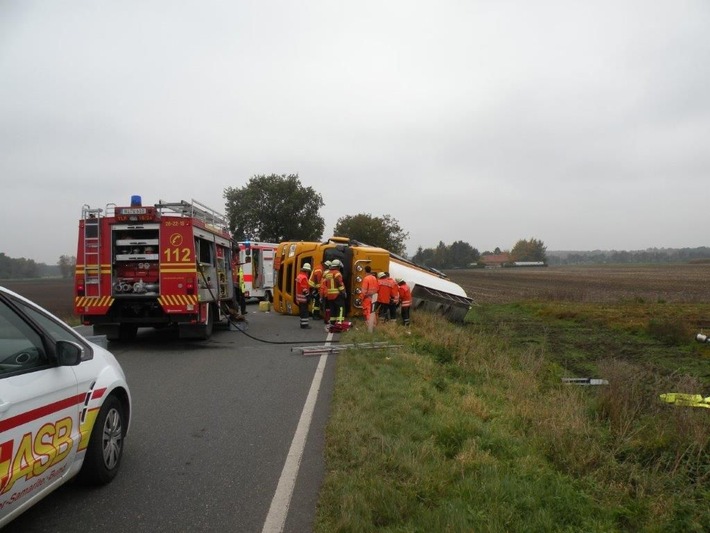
(202, 330)
(103, 456)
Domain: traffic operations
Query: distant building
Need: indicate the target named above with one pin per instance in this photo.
(494, 260)
(529, 264)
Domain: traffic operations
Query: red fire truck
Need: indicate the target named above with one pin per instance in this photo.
(169, 264)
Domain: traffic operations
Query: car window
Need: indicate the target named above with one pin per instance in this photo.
(56, 330)
(21, 347)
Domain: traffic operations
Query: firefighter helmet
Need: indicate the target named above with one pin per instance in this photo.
(399, 280)
(306, 266)
(327, 264)
(335, 263)
(380, 275)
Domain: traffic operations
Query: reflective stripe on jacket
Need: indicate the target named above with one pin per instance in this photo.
(333, 284)
(242, 285)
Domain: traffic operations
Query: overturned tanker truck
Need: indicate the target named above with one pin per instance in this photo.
(431, 290)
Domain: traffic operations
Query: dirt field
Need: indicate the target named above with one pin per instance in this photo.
(55, 295)
(677, 283)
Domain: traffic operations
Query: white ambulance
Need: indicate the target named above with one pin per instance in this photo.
(64, 407)
(256, 260)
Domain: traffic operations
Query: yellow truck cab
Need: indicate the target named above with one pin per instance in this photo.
(290, 256)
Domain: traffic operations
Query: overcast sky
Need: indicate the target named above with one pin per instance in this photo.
(585, 124)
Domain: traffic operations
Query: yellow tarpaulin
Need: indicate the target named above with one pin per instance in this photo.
(689, 400)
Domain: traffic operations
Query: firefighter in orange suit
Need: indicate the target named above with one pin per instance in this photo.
(302, 293)
(394, 295)
(369, 290)
(383, 297)
(335, 292)
(314, 284)
(405, 300)
(322, 290)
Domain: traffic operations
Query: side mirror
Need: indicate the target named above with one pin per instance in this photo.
(69, 353)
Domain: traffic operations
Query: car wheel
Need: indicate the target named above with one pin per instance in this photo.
(103, 456)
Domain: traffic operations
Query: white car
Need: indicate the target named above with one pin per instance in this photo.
(64, 406)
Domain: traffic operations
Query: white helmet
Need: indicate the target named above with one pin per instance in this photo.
(306, 266)
(335, 263)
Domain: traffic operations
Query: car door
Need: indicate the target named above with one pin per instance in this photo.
(39, 410)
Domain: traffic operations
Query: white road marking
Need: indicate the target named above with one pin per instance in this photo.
(278, 511)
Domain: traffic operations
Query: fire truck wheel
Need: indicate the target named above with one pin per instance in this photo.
(103, 455)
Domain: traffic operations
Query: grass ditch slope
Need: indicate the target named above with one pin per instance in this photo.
(470, 428)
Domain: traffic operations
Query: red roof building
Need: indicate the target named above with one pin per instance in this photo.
(494, 260)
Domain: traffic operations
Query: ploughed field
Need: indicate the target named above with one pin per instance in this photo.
(54, 294)
(672, 283)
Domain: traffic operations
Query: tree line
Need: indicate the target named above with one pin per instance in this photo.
(461, 254)
(11, 268)
(456, 255)
(650, 255)
(21, 268)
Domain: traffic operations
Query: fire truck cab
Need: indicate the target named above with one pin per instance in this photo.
(168, 264)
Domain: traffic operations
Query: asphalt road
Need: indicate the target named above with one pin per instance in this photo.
(211, 430)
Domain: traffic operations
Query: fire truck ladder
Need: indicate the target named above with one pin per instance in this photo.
(92, 246)
(196, 210)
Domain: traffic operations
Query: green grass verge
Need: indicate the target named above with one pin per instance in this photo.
(470, 428)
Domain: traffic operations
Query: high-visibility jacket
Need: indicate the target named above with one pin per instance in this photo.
(394, 290)
(240, 278)
(383, 291)
(334, 285)
(369, 286)
(301, 288)
(405, 295)
(323, 289)
(316, 276)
